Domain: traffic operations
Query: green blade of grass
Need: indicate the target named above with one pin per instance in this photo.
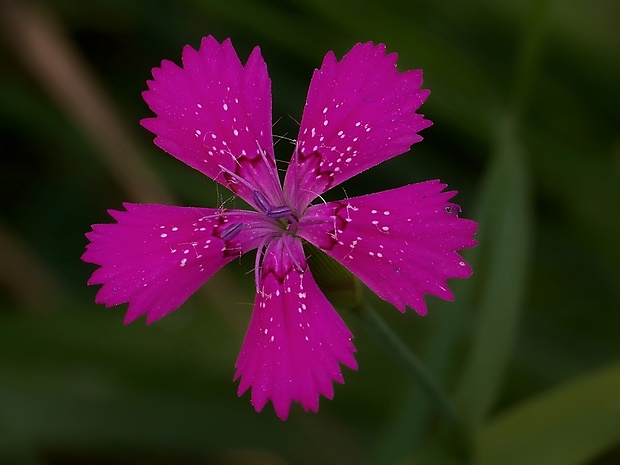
(572, 424)
(505, 229)
(502, 261)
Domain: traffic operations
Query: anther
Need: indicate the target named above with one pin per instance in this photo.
(231, 231)
(279, 212)
(261, 201)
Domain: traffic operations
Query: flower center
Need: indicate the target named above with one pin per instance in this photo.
(282, 213)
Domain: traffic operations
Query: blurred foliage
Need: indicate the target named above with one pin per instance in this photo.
(525, 99)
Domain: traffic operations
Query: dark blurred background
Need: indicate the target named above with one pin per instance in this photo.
(524, 100)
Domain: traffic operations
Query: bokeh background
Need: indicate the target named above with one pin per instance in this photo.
(524, 97)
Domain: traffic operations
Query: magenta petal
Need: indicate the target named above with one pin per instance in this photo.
(359, 112)
(156, 256)
(296, 340)
(213, 113)
(401, 243)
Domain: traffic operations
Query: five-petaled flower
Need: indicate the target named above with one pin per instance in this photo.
(214, 114)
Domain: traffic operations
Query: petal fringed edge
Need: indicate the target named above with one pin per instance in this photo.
(215, 115)
(359, 112)
(296, 340)
(402, 243)
(155, 256)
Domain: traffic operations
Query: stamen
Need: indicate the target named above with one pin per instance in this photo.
(258, 261)
(273, 173)
(237, 178)
(289, 252)
(272, 212)
(279, 212)
(261, 201)
(231, 231)
(317, 195)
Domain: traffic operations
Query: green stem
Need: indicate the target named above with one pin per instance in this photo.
(409, 362)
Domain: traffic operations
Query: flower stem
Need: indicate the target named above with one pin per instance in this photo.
(408, 362)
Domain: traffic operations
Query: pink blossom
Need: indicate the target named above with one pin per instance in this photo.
(214, 114)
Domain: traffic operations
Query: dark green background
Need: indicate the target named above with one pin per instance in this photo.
(524, 100)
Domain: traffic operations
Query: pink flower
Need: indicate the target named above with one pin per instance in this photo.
(214, 114)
